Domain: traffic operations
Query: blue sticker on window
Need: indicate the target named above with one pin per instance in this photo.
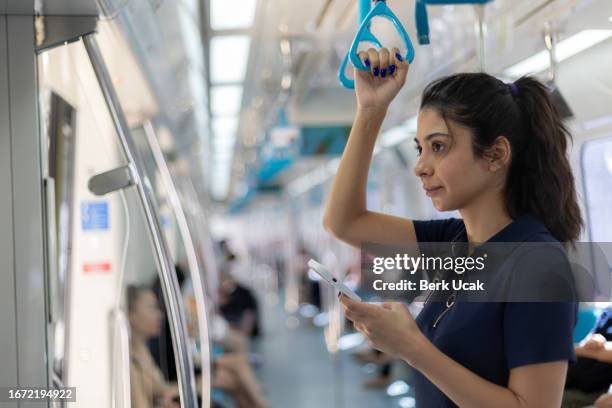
(164, 221)
(94, 215)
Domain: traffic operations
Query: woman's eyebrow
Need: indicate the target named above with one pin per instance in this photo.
(429, 136)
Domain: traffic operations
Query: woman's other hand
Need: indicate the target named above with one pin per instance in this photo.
(389, 328)
(595, 342)
(377, 87)
(605, 401)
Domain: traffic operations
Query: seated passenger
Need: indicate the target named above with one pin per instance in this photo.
(161, 345)
(592, 374)
(231, 371)
(229, 338)
(238, 306)
(148, 387)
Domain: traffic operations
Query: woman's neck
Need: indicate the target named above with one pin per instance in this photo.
(138, 341)
(485, 217)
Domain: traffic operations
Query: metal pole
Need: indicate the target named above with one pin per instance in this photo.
(481, 32)
(167, 274)
(550, 41)
(120, 384)
(192, 259)
(338, 380)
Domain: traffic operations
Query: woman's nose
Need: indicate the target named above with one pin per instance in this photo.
(422, 168)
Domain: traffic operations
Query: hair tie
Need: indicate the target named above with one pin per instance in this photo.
(514, 90)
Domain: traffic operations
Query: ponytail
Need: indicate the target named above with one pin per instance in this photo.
(539, 179)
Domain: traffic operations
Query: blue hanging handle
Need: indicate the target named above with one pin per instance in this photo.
(365, 35)
(346, 82)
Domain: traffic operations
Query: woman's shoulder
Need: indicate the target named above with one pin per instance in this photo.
(530, 228)
(538, 264)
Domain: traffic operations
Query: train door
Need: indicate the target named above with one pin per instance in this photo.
(108, 232)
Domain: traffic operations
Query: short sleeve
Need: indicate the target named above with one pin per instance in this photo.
(539, 332)
(437, 230)
(540, 272)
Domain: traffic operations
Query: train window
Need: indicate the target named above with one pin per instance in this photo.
(597, 178)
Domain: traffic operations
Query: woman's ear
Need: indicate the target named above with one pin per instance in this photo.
(498, 155)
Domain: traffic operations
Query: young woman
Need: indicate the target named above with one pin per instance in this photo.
(148, 386)
(149, 389)
(497, 153)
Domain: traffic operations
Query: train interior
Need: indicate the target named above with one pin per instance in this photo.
(181, 152)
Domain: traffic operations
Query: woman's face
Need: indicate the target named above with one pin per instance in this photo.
(146, 317)
(452, 176)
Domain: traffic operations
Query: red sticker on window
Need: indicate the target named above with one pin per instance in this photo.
(97, 267)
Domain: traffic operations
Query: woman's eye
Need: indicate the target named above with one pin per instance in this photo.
(419, 150)
(437, 147)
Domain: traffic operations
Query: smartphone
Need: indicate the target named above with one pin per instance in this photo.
(324, 273)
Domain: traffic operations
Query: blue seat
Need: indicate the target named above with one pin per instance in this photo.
(584, 325)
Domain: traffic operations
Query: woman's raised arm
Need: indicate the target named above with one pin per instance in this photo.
(346, 213)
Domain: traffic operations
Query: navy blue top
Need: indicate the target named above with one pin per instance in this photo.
(489, 339)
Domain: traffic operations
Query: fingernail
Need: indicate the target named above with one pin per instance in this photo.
(376, 71)
(383, 72)
(367, 62)
(391, 69)
(398, 56)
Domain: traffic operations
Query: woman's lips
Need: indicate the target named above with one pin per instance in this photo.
(431, 191)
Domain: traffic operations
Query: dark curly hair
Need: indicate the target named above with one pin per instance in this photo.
(540, 179)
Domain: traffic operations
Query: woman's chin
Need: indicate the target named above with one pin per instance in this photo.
(439, 205)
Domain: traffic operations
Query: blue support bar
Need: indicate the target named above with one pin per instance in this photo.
(364, 9)
(420, 13)
(422, 22)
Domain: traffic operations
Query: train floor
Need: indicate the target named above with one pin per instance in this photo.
(298, 372)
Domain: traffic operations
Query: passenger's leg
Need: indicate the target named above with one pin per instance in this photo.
(227, 381)
(239, 366)
(235, 341)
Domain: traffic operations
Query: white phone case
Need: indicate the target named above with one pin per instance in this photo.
(324, 273)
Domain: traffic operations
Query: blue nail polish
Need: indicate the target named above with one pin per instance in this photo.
(367, 62)
(398, 56)
(391, 69)
(383, 72)
(376, 71)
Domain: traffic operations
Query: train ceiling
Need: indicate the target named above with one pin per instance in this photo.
(297, 48)
(288, 76)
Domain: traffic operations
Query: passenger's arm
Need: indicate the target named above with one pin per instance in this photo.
(530, 386)
(346, 214)
(391, 329)
(604, 401)
(138, 394)
(604, 354)
(248, 322)
(167, 391)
